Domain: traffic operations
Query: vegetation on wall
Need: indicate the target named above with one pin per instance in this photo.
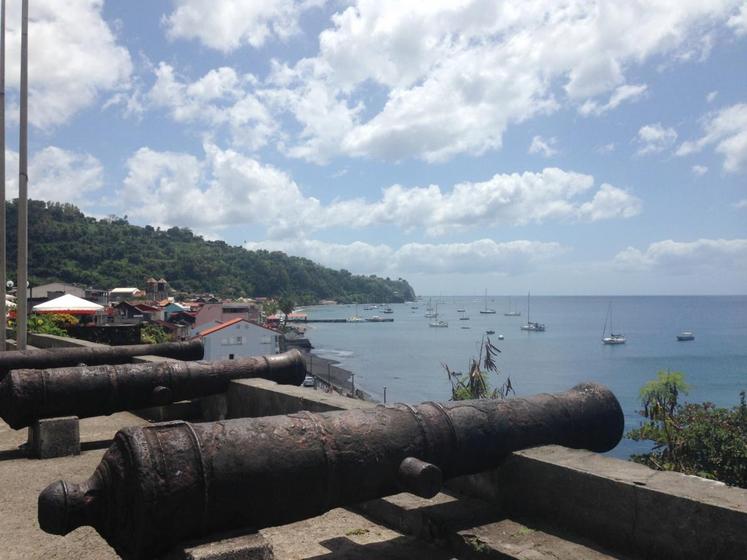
(152, 334)
(699, 439)
(50, 323)
(65, 245)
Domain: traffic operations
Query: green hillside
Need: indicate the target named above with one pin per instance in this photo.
(65, 245)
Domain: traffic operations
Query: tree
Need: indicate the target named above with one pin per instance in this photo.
(476, 385)
(152, 334)
(286, 305)
(51, 323)
(693, 438)
(269, 307)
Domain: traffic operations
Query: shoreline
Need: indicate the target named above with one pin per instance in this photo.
(327, 373)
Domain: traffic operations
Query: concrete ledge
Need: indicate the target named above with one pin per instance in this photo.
(250, 546)
(54, 341)
(54, 437)
(251, 398)
(619, 504)
(472, 528)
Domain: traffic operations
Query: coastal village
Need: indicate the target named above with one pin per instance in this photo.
(229, 328)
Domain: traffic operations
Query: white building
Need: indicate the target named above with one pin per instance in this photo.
(122, 294)
(238, 338)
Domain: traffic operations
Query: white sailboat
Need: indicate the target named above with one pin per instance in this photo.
(532, 326)
(429, 313)
(613, 338)
(355, 318)
(487, 311)
(436, 321)
(510, 313)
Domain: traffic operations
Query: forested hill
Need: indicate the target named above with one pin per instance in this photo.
(65, 245)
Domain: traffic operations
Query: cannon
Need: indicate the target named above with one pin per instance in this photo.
(30, 394)
(161, 484)
(63, 357)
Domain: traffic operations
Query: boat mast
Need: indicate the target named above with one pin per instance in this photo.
(528, 316)
(606, 318)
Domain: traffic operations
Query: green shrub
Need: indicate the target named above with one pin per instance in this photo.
(699, 438)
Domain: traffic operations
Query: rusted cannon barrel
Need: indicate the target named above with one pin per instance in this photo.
(64, 357)
(29, 394)
(161, 484)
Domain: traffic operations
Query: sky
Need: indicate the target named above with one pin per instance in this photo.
(575, 147)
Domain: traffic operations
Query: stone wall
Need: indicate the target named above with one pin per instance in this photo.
(617, 504)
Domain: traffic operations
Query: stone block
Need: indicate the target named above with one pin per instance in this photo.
(248, 546)
(54, 437)
(213, 408)
(251, 398)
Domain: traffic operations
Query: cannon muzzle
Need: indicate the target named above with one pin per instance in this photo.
(161, 484)
(30, 394)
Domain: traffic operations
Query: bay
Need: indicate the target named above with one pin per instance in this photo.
(406, 356)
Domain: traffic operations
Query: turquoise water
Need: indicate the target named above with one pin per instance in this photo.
(406, 355)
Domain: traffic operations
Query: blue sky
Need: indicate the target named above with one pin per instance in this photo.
(583, 147)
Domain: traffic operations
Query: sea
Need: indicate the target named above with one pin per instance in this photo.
(405, 359)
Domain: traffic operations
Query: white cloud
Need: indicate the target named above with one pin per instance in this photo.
(455, 75)
(515, 199)
(727, 130)
(475, 257)
(541, 146)
(56, 175)
(741, 204)
(625, 92)
(357, 257)
(227, 188)
(738, 22)
(699, 170)
(226, 25)
(655, 138)
(724, 256)
(711, 96)
(324, 117)
(609, 202)
(218, 99)
(481, 256)
(73, 58)
(606, 148)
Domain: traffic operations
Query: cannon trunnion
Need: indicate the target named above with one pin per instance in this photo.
(159, 485)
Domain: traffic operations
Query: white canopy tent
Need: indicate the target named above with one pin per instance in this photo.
(70, 304)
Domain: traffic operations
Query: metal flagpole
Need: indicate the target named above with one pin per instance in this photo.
(3, 265)
(23, 179)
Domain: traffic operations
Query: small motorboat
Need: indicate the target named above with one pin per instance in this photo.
(685, 335)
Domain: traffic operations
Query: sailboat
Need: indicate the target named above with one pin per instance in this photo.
(355, 318)
(532, 326)
(613, 338)
(429, 313)
(509, 313)
(487, 311)
(436, 321)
